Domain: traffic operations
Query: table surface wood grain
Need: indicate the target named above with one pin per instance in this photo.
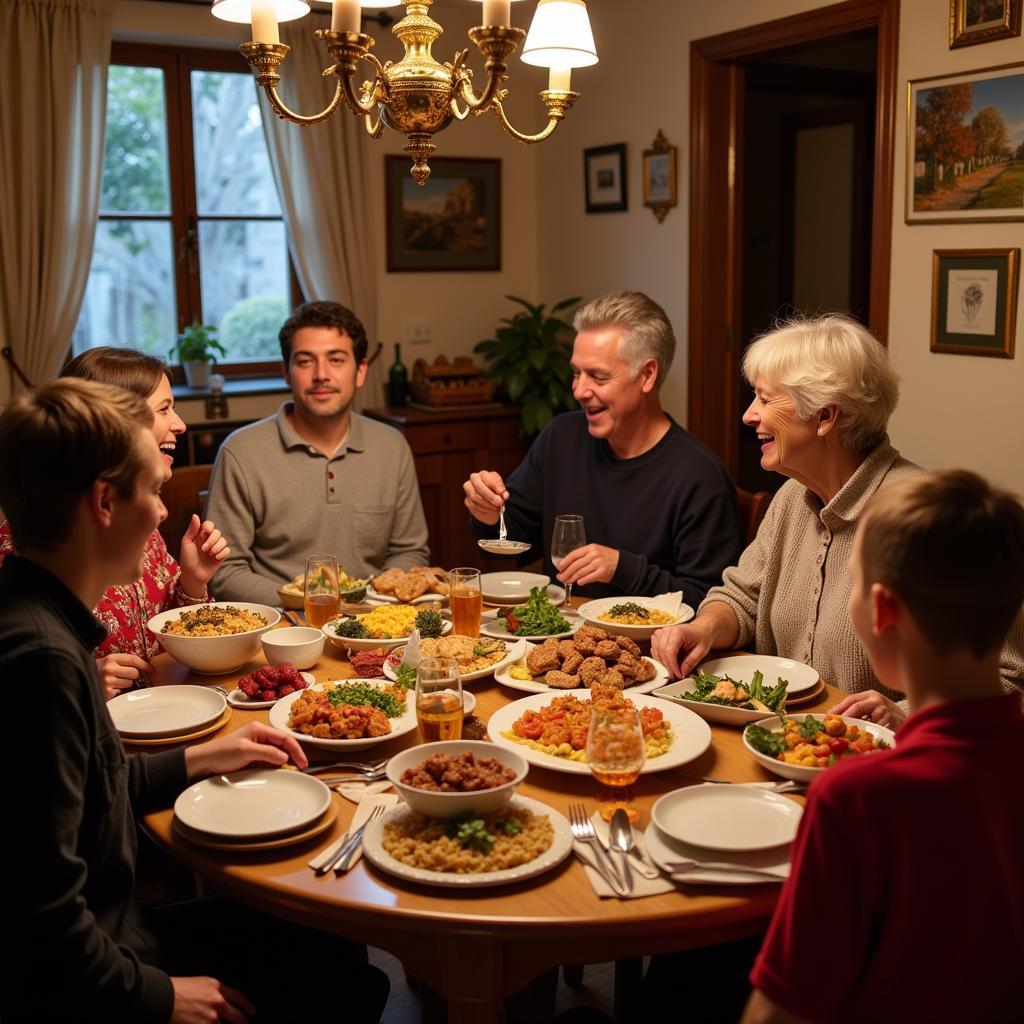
(474, 947)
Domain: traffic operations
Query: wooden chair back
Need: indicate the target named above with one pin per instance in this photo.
(184, 495)
(753, 505)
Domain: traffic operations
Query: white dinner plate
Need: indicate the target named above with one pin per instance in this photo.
(405, 722)
(511, 587)
(560, 848)
(663, 849)
(251, 804)
(734, 818)
(165, 710)
(491, 625)
(237, 699)
(691, 734)
(514, 650)
(533, 686)
(741, 667)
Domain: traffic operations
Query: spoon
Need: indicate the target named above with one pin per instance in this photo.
(503, 546)
(620, 837)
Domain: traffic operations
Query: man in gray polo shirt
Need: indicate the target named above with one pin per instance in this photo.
(315, 477)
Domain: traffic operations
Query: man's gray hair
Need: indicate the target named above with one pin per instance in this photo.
(646, 331)
(829, 360)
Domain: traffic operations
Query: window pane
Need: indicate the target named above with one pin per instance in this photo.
(129, 299)
(233, 176)
(244, 277)
(135, 176)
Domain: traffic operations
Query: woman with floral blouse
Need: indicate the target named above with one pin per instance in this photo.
(123, 659)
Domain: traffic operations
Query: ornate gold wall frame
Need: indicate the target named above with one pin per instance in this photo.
(661, 190)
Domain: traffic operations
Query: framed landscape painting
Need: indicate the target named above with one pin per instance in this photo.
(982, 21)
(965, 147)
(453, 222)
(974, 301)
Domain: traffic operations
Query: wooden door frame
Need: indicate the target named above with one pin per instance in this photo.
(716, 166)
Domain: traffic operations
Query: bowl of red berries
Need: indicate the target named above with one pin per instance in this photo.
(266, 686)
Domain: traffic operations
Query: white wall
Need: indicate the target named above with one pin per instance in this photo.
(955, 410)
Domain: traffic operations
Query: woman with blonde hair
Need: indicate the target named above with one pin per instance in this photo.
(823, 394)
(123, 659)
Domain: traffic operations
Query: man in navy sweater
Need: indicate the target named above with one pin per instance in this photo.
(659, 507)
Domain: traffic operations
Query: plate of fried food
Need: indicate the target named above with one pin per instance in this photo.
(590, 657)
(477, 656)
(386, 626)
(346, 714)
(418, 585)
(550, 730)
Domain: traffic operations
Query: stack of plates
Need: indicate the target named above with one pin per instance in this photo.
(254, 810)
(741, 825)
(168, 714)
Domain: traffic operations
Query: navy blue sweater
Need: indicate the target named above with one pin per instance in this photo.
(670, 513)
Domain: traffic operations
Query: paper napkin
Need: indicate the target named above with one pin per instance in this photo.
(641, 886)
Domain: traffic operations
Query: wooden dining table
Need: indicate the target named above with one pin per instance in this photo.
(475, 947)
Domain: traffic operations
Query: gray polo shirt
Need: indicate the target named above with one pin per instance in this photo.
(277, 498)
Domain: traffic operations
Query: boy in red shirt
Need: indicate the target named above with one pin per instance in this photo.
(906, 898)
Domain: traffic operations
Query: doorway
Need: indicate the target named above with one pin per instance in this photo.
(790, 201)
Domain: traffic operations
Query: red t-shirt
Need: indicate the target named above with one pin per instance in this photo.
(906, 897)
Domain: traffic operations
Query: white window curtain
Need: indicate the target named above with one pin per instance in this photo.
(54, 56)
(322, 173)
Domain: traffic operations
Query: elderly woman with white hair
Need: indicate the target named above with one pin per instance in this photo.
(823, 394)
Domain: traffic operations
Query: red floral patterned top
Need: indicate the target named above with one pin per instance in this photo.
(124, 611)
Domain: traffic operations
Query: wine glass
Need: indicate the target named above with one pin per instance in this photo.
(322, 597)
(568, 535)
(439, 699)
(616, 751)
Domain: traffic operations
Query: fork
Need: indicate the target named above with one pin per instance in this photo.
(374, 776)
(348, 851)
(582, 829)
(356, 766)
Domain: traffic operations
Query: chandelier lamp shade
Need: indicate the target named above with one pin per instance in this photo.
(418, 96)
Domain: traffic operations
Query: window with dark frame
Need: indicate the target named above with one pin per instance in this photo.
(190, 225)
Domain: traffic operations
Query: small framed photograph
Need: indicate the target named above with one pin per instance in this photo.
(974, 301)
(965, 147)
(604, 174)
(981, 21)
(660, 192)
(453, 222)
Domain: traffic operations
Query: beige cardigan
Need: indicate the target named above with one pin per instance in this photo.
(791, 586)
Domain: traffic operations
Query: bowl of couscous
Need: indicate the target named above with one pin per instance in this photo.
(214, 638)
(635, 617)
(387, 626)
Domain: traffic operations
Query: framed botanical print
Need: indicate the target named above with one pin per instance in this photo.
(974, 301)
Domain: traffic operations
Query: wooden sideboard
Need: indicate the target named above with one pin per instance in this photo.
(447, 445)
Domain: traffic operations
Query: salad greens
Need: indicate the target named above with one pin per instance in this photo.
(731, 693)
(362, 694)
(405, 676)
(538, 617)
(351, 628)
(764, 741)
(470, 830)
(429, 623)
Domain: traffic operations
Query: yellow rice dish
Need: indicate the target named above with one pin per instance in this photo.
(389, 621)
(211, 620)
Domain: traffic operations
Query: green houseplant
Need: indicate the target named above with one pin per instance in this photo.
(197, 349)
(529, 357)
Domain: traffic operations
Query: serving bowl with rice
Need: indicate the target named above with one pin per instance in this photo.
(214, 638)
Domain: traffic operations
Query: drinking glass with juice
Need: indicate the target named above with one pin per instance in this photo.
(616, 751)
(322, 597)
(466, 601)
(439, 699)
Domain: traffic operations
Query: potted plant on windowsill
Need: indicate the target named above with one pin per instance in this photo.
(529, 357)
(197, 349)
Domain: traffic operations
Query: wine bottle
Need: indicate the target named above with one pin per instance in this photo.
(398, 379)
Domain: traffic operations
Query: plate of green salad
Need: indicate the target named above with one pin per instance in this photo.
(537, 618)
(741, 689)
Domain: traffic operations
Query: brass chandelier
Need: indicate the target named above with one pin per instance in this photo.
(416, 95)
